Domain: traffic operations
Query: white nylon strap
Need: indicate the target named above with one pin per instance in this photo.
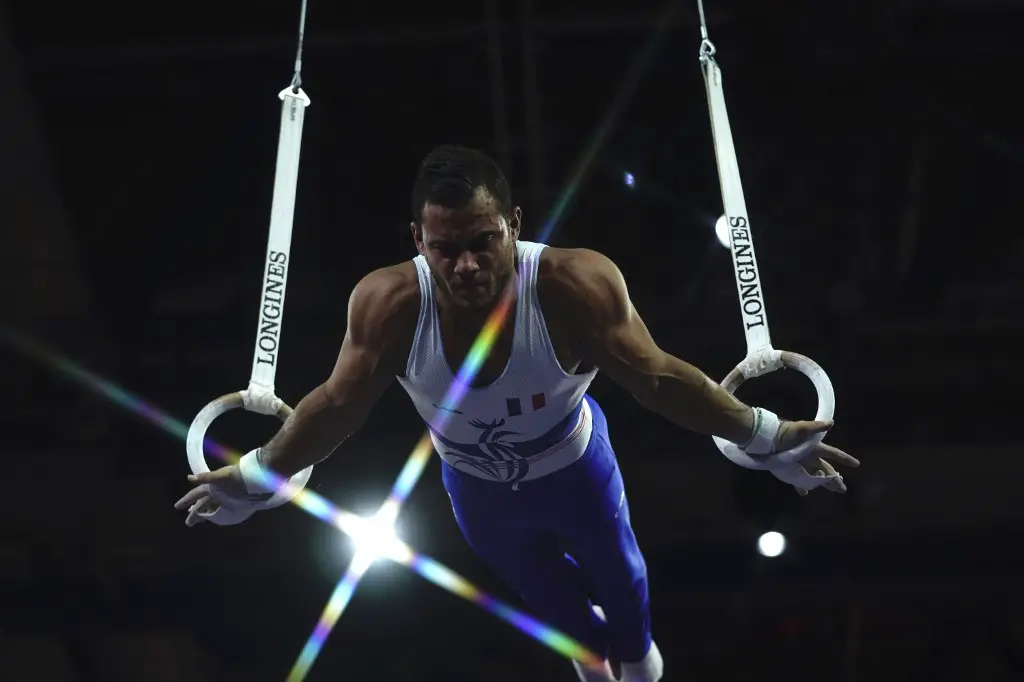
(744, 262)
(279, 239)
(761, 358)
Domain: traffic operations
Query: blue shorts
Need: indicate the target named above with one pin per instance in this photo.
(564, 542)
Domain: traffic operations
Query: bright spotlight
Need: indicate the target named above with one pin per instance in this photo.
(771, 544)
(375, 538)
(722, 231)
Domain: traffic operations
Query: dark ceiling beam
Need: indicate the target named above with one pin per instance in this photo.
(545, 27)
(412, 36)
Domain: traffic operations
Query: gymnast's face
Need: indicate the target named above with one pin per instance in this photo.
(471, 250)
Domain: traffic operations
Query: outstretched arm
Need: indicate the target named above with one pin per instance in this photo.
(617, 340)
(592, 290)
(381, 319)
(382, 314)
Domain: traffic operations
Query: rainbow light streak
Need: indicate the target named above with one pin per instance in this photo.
(456, 584)
(306, 499)
(340, 598)
(478, 352)
(108, 390)
(407, 480)
(347, 522)
(445, 578)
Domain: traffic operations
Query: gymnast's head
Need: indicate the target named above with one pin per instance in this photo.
(465, 225)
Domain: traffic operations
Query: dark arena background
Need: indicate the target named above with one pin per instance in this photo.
(882, 154)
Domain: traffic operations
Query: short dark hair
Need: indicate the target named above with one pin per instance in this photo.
(450, 175)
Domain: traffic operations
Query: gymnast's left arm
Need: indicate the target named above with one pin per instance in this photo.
(594, 293)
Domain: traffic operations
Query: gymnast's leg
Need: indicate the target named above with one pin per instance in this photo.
(588, 503)
(501, 527)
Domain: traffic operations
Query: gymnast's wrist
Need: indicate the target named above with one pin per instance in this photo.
(256, 477)
(764, 435)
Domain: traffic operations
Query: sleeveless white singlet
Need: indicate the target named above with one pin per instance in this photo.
(528, 423)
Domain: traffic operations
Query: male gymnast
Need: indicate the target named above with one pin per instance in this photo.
(526, 456)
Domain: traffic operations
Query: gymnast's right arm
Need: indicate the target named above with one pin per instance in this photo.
(382, 315)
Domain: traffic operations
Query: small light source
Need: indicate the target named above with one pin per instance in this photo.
(771, 544)
(629, 180)
(722, 231)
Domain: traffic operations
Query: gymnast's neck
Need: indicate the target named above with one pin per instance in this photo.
(470, 321)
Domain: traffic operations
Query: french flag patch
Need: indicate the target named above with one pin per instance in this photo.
(515, 407)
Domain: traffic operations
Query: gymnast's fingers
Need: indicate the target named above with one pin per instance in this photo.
(816, 467)
(210, 476)
(834, 454)
(200, 507)
(191, 497)
(836, 485)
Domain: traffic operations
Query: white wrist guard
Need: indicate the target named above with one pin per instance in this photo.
(258, 488)
(254, 475)
(763, 441)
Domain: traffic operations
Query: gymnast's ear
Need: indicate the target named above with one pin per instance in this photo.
(515, 222)
(417, 236)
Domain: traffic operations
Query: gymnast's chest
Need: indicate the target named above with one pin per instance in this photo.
(476, 361)
(530, 347)
(519, 403)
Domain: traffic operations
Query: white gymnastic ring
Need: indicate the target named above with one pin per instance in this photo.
(197, 434)
(826, 408)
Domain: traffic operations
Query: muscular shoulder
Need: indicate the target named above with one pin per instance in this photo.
(583, 285)
(383, 309)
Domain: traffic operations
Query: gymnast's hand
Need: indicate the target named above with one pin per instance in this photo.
(213, 490)
(821, 458)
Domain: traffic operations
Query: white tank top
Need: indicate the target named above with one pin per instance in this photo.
(528, 423)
